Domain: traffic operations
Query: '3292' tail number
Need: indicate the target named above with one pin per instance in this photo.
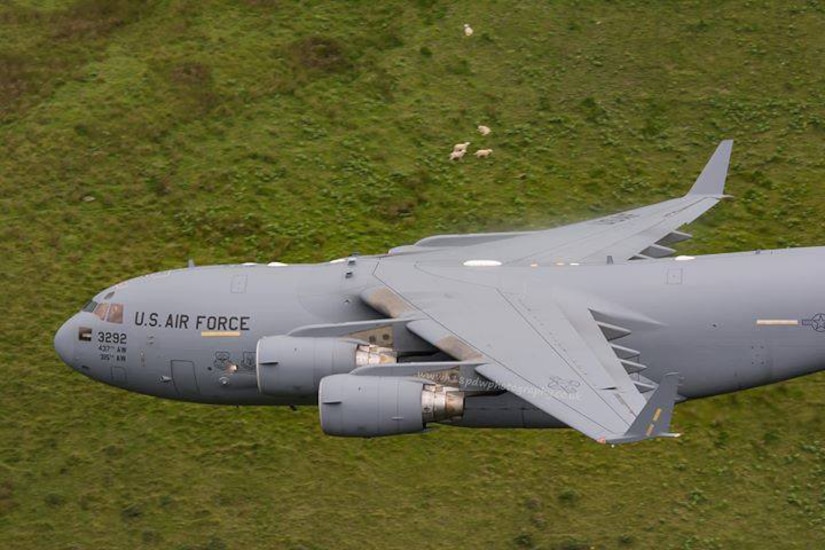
(111, 337)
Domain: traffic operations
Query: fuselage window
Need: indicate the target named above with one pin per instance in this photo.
(101, 310)
(90, 306)
(115, 314)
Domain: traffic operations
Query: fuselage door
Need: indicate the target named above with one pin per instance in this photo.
(183, 375)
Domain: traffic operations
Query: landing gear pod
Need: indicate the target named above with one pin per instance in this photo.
(371, 406)
(294, 366)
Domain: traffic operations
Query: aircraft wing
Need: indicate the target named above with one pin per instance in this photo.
(550, 356)
(641, 233)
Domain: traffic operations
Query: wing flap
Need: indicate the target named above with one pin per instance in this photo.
(582, 321)
(563, 402)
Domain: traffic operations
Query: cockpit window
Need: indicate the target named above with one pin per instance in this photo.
(101, 310)
(115, 314)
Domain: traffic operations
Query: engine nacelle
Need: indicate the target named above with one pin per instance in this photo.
(371, 406)
(294, 366)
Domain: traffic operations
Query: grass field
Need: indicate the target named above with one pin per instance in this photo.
(137, 134)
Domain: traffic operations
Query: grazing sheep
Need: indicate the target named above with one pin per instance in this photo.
(468, 30)
(484, 130)
(457, 155)
(461, 146)
(483, 153)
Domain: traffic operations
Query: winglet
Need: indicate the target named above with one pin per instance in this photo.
(654, 420)
(712, 179)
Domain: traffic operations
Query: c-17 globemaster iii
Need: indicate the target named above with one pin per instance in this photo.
(590, 326)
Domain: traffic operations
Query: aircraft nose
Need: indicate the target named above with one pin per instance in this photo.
(64, 341)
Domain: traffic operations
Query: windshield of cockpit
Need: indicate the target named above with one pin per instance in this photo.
(105, 311)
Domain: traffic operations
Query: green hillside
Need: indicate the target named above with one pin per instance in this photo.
(135, 135)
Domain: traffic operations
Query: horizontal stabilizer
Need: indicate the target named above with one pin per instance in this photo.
(654, 420)
(712, 179)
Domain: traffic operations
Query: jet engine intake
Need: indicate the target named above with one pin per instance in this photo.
(294, 365)
(370, 406)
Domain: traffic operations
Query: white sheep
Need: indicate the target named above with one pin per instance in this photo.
(483, 153)
(484, 130)
(457, 155)
(468, 30)
(461, 146)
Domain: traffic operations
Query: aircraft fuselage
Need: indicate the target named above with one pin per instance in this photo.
(723, 322)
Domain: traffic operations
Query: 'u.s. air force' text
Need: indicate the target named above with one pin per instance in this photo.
(197, 322)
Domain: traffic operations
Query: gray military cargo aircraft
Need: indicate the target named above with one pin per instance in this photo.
(590, 326)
